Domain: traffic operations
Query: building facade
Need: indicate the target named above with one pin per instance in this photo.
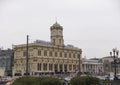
(52, 57)
(92, 67)
(108, 64)
(6, 61)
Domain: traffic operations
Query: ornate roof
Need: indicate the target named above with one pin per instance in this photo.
(56, 24)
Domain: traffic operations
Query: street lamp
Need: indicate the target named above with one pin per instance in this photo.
(114, 54)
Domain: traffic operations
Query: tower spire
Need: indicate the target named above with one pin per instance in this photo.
(56, 20)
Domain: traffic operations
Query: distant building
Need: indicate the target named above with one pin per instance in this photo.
(2, 71)
(6, 61)
(92, 66)
(48, 57)
(108, 63)
(117, 66)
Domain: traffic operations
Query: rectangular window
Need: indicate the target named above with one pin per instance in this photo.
(74, 67)
(65, 55)
(69, 55)
(70, 67)
(78, 56)
(50, 53)
(60, 41)
(44, 66)
(55, 54)
(38, 66)
(50, 67)
(39, 52)
(24, 53)
(45, 53)
(60, 54)
(73, 55)
(54, 41)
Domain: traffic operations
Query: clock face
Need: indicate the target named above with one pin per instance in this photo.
(56, 32)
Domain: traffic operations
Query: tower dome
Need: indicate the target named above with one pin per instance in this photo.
(56, 24)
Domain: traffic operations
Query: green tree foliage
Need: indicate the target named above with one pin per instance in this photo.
(37, 81)
(84, 80)
(27, 81)
(50, 81)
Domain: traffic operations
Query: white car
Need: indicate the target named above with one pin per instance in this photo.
(118, 76)
(111, 77)
(67, 78)
(101, 77)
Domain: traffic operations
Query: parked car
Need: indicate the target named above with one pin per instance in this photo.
(67, 78)
(101, 77)
(118, 76)
(111, 78)
(18, 74)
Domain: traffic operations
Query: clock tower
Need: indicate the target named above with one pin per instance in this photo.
(57, 34)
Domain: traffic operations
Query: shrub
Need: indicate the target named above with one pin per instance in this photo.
(37, 81)
(50, 81)
(27, 81)
(84, 80)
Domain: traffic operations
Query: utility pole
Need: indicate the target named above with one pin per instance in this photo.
(27, 57)
(79, 63)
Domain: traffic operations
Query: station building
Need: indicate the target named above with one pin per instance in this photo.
(52, 57)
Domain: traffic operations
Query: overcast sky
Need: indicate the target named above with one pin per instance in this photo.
(93, 25)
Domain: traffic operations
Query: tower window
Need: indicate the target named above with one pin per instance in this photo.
(60, 41)
(54, 41)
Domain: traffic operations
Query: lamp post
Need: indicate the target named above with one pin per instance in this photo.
(114, 54)
(79, 65)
